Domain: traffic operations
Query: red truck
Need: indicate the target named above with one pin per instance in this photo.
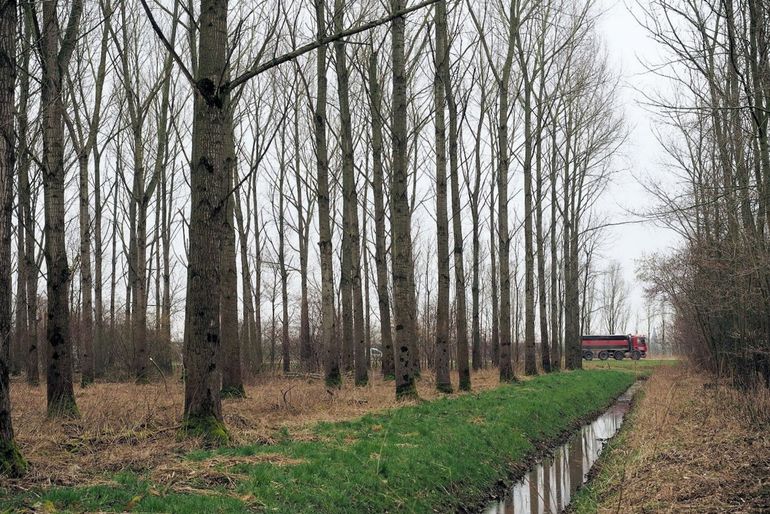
(615, 346)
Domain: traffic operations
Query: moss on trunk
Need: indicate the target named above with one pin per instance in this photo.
(12, 464)
(212, 430)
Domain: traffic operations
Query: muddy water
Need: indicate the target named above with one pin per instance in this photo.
(550, 484)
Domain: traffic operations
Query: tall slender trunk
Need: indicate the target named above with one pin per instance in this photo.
(163, 211)
(55, 58)
(380, 252)
(506, 368)
(365, 259)
(258, 353)
(303, 236)
(28, 262)
(478, 356)
(11, 462)
(208, 184)
(530, 360)
(555, 311)
(443, 382)
(463, 367)
(230, 361)
(282, 256)
(86, 282)
(495, 336)
(331, 350)
(542, 294)
(572, 349)
(352, 293)
(247, 332)
(403, 264)
(99, 338)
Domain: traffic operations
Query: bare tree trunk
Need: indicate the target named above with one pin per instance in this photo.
(555, 311)
(400, 220)
(55, 59)
(258, 353)
(164, 215)
(493, 276)
(463, 367)
(11, 462)
(303, 235)
(86, 282)
(28, 262)
(99, 338)
(331, 350)
(475, 201)
(506, 368)
(352, 294)
(365, 259)
(208, 181)
(282, 256)
(230, 357)
(530, 361)
(542, 294)
(443, 382)
(572, 347)
(248, 330)
(380, 252)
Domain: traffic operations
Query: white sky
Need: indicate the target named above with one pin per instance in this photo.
(628, 46)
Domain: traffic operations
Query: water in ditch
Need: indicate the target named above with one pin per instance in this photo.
(549, 485)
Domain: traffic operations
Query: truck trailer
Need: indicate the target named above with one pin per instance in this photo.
(615, 346)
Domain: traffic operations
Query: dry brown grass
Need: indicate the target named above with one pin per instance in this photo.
(134, 427)
(694, 446)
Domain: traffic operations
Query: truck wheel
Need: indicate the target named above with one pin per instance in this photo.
(604, 355)
(589, 355)
(636, 355)
(619, 355)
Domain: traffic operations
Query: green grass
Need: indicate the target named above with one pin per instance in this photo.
(642, 367)
(435, 456)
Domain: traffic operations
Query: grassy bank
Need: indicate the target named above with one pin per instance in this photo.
(439, 455)
(689, 445)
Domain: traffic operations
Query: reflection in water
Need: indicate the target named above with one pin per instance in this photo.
(549, 486)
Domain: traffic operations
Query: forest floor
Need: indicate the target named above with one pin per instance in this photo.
(130, 427)
(297, 447)
(690, 445)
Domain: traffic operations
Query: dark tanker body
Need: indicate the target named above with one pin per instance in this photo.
(617, 346)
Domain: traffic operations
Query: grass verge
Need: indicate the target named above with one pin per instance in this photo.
(442, 455)
(690, 444)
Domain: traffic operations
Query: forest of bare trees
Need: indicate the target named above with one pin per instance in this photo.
(228, 190)
(714, 130)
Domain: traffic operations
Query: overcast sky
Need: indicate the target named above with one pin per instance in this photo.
(628, 46)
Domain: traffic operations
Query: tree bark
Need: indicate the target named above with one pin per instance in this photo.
(331, 349)
(56, 51)
(303, 236)
(380, 252)
(11, 462)
(404, 311)
(443, 382)
(208, 181)
(463, 367)
(230, 361)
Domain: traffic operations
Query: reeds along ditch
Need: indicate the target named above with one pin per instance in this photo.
(693, 444)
